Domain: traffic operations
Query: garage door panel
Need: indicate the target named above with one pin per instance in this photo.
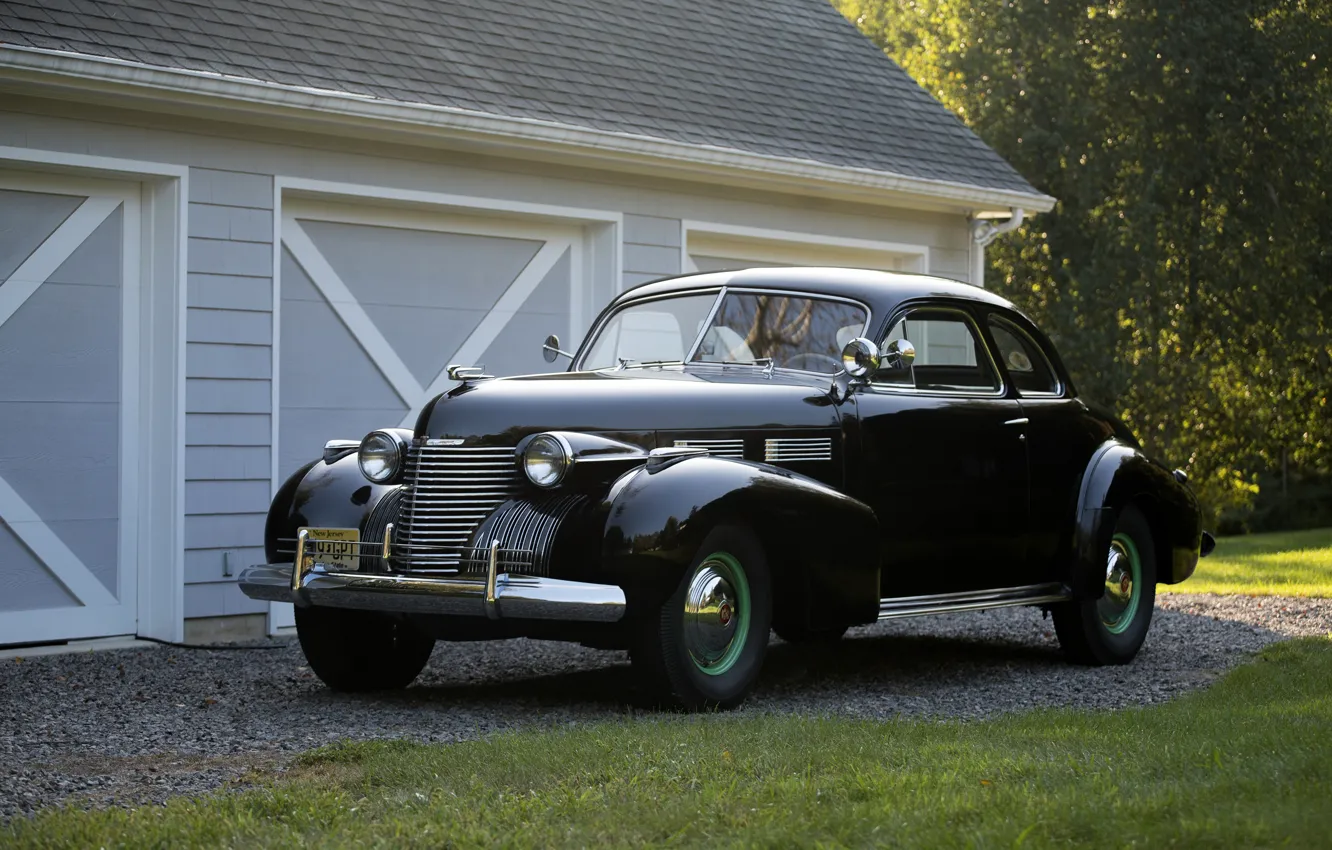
(552, 294)
(98, 261)
(95, 542)
(26, 220)
(62, 459)
(425, 268)
(419, 335)
(323, 364)
(63, 344)
(372, 315)
(25, 584)
(63, 350)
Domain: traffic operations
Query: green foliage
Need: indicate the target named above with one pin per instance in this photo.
(1245, 764)
(1293, 563)
(1186, 272)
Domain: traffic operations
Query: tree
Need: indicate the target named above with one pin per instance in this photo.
(1186, 272)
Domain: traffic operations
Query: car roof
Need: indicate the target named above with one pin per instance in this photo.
(881, 291)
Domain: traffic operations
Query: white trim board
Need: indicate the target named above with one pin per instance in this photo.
(766, 245)
(256, 101)
(153, 495)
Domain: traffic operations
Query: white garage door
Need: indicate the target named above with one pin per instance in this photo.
(68, 298)
(376, 304)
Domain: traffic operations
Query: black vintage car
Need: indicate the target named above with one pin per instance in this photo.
(801, 450)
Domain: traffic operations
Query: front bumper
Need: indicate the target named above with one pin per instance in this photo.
(496, 595)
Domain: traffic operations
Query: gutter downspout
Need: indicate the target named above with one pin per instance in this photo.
(983, 232)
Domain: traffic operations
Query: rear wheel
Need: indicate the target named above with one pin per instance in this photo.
(704, 646)
(361, 650)
(1110, 630)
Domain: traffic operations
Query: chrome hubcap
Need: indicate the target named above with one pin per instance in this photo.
(1120, 601)
(712, 614)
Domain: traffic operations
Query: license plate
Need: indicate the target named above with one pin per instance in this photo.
(334, 548)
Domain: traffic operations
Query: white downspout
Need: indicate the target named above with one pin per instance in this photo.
(983, 232)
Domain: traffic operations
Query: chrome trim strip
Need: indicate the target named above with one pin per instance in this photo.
(891, 608)
(778, 449)
(492, 570)
(716, 448)
(298, 566)
(707, 323)
(516, 596)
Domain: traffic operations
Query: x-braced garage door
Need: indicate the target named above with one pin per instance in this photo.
(68, 405)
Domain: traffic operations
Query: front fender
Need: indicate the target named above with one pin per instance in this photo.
(821, 544)
(1119, 475)
(321, 495)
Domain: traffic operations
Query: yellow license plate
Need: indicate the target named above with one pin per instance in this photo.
(334, 548)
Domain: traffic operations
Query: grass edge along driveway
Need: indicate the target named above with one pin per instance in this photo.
(1245, 763)
(1288, 563)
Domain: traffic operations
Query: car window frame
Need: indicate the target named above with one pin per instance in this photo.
(721, 293)
(579, 362)
(1016, 328)
(982, 342)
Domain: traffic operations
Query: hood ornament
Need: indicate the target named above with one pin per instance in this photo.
(468, 375)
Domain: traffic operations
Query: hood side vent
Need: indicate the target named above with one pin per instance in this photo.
(719, 448)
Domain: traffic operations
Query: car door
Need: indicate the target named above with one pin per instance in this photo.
(1061, 437)
(944, 462)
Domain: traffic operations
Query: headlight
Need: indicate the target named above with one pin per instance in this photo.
(546, 460)
(381, 456)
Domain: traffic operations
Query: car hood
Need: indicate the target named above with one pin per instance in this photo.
(633, 403)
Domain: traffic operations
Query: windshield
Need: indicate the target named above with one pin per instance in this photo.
(790, 331)
(651, 331)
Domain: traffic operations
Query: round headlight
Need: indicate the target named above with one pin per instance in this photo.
(381, 456)
(546, 460)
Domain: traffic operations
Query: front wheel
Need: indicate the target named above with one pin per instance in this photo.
(1110, 630)
(704, 646)
(361, 650)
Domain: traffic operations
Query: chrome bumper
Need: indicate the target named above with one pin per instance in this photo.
(512, 596)
(496, 595)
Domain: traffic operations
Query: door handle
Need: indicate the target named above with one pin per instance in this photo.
(1022, 421)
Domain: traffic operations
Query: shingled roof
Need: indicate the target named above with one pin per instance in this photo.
(784, 78)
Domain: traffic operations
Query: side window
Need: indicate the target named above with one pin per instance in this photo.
(949, 354)
(1022, 357)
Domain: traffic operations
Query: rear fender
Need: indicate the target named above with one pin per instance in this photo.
(821, 544)
(1119, 475)
(322, 495)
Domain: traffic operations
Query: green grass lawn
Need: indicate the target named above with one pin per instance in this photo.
(1291, 563)
(1247, 763)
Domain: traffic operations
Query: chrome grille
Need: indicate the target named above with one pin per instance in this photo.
(449, 491)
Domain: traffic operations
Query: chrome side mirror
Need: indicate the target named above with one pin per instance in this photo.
(899, 354)
(860, 358)
(550, 349)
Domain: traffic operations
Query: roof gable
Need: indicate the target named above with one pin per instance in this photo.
(784, 78)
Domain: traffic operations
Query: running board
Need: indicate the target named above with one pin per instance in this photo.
(892, 608)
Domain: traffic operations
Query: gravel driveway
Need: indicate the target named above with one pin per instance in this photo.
(136, 726)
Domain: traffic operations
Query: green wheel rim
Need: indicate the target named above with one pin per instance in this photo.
(1123, 585)
(717, 615)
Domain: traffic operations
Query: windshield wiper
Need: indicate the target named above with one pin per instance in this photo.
(626, 363)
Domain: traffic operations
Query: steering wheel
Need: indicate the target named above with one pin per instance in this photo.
(809, 361)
